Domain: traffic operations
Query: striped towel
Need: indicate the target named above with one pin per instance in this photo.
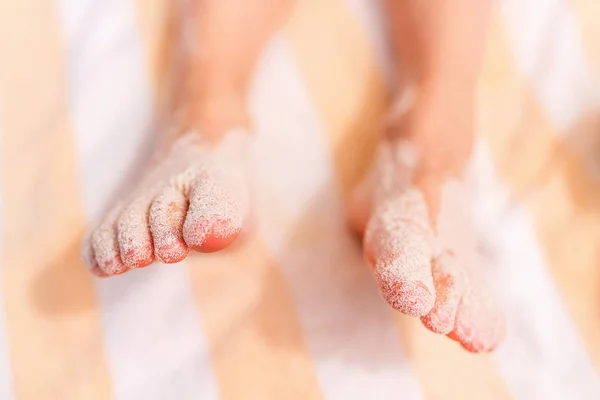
(291, 312)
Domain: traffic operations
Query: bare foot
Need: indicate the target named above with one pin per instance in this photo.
(413, 210)
(196, 198)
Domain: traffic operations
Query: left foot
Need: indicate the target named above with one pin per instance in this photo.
(414, 213)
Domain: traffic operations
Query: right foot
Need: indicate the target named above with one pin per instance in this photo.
(197, 198)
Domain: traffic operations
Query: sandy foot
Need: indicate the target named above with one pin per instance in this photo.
(197, 198)
(425, 269)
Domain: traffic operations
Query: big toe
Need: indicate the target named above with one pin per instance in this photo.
(216, 233)
(410, 296)
(215, 216)
(397, 245)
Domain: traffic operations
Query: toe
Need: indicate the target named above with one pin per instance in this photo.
(167, 215)
(135, 240)
(410, 297)
(397, 245)
(106, 248)
(479, 325)
(215, 216)
(89, 258)
(449, 287)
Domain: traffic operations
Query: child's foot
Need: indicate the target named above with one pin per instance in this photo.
(195, 199)
(414, 212)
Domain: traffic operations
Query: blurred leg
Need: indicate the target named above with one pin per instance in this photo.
(196, 196)
(223, 40)
(418, 232)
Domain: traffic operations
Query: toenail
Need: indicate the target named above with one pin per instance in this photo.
(424, 287)
(171, 253)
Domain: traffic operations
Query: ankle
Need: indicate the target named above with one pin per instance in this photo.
(212, 115)
(438, 121)
(450, 90)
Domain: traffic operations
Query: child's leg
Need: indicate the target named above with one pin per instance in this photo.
(196, 197)
(224, 39)
(417, 225)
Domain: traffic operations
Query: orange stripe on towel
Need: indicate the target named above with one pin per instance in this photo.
(551, 181)
(256, 342)
(52, 316)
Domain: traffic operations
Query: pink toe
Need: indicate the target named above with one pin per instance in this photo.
(98, 272)
(89, 259)
(106, 253)
(488, 337)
